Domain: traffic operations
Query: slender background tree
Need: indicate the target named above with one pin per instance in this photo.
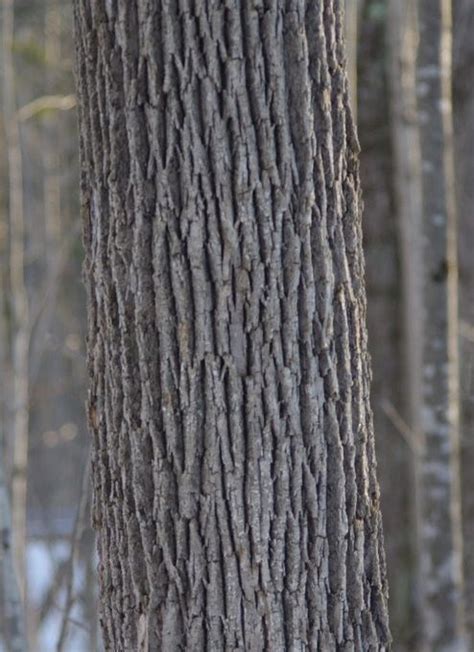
(464, 177)
(19, 333)
(440, 508)
(406, 180)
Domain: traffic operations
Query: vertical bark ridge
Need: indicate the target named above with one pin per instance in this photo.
(235, 494)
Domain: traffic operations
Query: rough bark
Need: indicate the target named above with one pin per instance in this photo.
(441, 540)
(351, 19)
(236, 501)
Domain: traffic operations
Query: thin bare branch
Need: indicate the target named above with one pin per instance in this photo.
(76, 537)
(49, 600)
(400, 426)
(42, 311)
(46, 103)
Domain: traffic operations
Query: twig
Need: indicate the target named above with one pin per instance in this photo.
(72, 620)
(401, 427)
(42, 310)
(50, 599)
(75, 540)
(44, 103)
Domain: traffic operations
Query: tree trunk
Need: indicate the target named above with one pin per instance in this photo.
(407, 186)
(236, 501)
(12, 615)
(19, 300)
(384, 291)
(464, 142)
(441, 549)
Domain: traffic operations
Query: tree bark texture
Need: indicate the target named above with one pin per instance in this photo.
(351, 12)
(441, 540)
(236, 500)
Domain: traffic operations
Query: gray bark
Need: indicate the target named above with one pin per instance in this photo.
(351, 11)
(464, 159)
(441, 549)
(235, 495)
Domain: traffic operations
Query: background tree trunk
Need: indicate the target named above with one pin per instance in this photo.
(464, 148)
(236, 502)
(12, 546)
(402, 35)
(385, 325)
(441, 538)
(52, 180)
(12, 615)
(19, 300)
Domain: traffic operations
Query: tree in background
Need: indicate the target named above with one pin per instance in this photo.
(439, 469)
(236, 503)
(464, 176)
(36, 71)
(402, 38)
(400, 446)
(385, 326)
(17, 421)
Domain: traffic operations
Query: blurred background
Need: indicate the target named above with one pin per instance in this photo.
(42, 343)
(44, 445)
